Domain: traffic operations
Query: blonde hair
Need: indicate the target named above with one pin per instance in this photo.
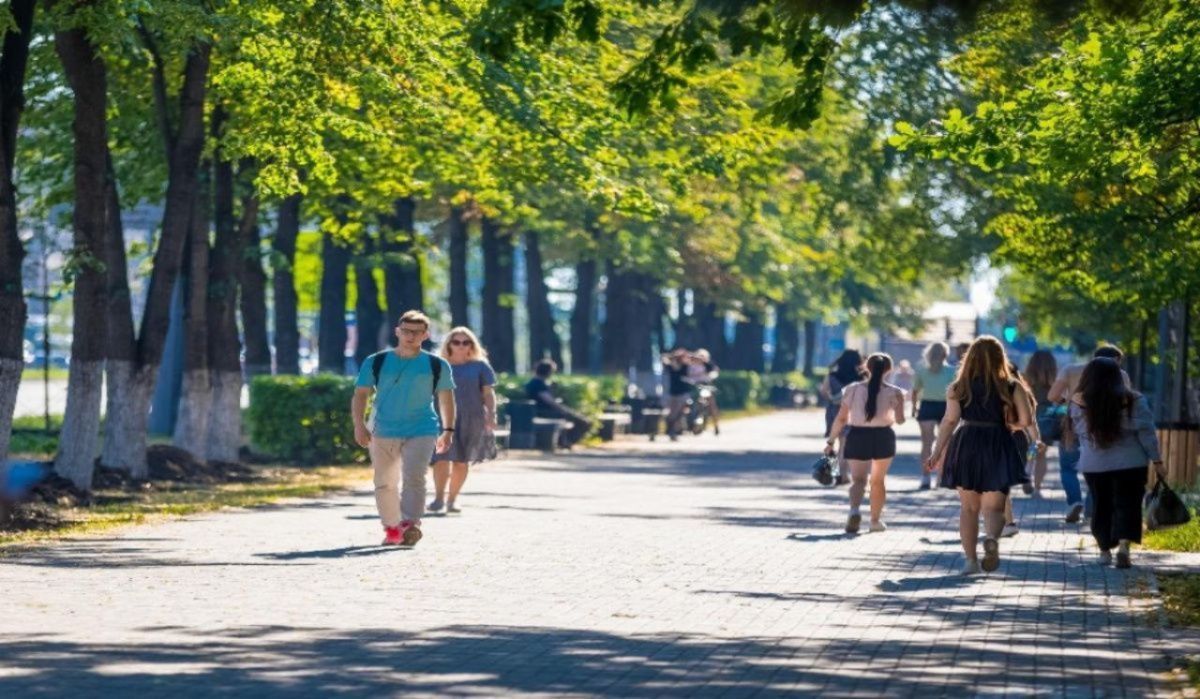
(935, 355)
(987, 363)
(477, 351)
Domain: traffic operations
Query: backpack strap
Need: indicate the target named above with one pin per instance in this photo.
(377, 361)
(435, 367)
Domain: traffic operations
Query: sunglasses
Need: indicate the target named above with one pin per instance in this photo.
(461, 343)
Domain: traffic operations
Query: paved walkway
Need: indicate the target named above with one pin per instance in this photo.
(714, 566)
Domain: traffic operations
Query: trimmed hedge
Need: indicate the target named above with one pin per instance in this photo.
(737, 390)
(303, 419)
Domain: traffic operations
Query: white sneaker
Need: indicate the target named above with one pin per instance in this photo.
(1009, 530)
(878, 526)
(971, 567)
(1106, 558)
(435, 506)
(925, 482)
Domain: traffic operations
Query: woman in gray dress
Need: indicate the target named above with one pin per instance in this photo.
(474, 440)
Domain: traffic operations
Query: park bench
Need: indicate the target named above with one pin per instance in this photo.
(546, 431)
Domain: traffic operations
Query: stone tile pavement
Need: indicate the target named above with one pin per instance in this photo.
(710, 567)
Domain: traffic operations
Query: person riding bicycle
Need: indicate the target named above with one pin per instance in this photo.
(701, 372)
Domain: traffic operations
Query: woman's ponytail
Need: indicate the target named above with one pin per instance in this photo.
(877, 366)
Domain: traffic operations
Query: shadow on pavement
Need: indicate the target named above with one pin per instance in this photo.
(498, 660)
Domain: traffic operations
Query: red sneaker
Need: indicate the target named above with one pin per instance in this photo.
(410, 533)
(392, 536)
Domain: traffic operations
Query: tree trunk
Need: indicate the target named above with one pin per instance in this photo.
(631, 309)
(224, 363)
(459, 237)
(543, 340)
(583, 316)
(787, 340)
(128, 387)
(12, 251)
(191, 422)
(79, 441)
(498, 332)
(710, 330)
(283, 282)
(331, 324)
(747, 352)
(368, 314)
(810, 347)
(400, 267)
(253, 297)
(183, 172)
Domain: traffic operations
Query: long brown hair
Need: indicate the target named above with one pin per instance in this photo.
(986, 363)
(1041, 370)
(1106, 400)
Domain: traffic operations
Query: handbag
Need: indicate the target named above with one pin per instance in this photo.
(1164, 508)
(823, 470)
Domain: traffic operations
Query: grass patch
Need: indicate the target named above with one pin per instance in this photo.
(56, 374)
(1184, 538)
(165, 499)
(1181, 602)
(30, 439)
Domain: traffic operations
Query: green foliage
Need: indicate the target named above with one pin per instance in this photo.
(1090, 144)
(737, 390)
(1183, 538)
(303, 419)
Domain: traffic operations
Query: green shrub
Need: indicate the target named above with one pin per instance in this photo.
(585, 394)
(303, 419)
(794, 379)
(738, 390)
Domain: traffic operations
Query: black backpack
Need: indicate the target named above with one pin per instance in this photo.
(435, 366)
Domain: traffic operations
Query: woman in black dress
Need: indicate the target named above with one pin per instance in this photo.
(975, 446)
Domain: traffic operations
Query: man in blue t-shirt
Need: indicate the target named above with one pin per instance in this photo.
(403, 430)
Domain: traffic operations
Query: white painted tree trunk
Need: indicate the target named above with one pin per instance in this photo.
(126, 417)
(10, 381)
(195, 407)
(79, 442)
(225, 421)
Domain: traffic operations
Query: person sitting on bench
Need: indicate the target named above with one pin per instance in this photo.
(540, 389)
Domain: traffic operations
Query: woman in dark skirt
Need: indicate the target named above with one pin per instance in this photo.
(870, 408)
(929, 398)
(976, 450)
(846, 370)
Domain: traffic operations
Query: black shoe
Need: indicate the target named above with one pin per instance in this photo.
(1074, 514)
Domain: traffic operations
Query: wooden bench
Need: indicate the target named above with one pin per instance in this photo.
(612, 424)
(502, 435)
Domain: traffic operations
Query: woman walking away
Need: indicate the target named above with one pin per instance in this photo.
(929, 398)
(870, 408)
(1116, 442)
(980, 459)
(476, 417)
(846, 370)
(1040, 373)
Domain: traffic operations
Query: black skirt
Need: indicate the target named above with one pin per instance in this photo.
(983, 457)
(931, 411)
(869, 443)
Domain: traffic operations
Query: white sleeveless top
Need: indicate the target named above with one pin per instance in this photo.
(889, 396)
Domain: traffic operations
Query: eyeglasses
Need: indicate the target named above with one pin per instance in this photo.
(411, 333)
(461, 343)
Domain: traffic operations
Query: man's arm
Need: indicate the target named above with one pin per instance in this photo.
(358, 411)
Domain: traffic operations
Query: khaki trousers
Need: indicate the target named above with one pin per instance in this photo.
(394, 461)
